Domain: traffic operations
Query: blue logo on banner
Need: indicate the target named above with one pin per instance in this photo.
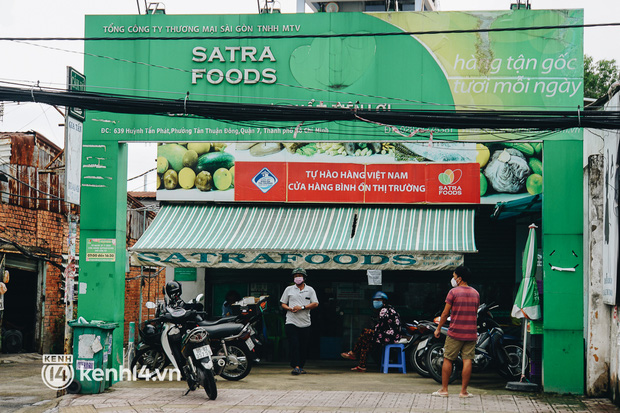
(265, 180)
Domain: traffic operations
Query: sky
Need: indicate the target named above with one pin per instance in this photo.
(45, 63)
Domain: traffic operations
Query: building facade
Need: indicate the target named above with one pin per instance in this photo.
(34, 235)
(601, 249)
(34, 232)
(229, 229)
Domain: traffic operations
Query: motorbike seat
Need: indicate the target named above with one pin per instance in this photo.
(223, 320)
(218, 331)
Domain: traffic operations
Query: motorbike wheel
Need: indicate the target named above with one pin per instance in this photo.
(512, 370)
(238, 364)
(151, 359)
(417, 359)
(434, 362)
(207, 380)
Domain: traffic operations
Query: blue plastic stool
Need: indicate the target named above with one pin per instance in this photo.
(400, 361)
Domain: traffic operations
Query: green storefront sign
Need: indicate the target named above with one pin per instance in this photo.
(185, 274)
(203, 58)
(294, 60)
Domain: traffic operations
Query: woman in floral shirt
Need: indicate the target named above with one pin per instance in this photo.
(386, 331)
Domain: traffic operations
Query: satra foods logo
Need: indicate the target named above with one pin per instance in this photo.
(449, 180)
(57, 372)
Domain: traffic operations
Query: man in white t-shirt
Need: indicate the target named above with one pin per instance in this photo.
(298, 300)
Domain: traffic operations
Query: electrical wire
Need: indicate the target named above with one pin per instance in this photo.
(293, 36)
(25, 251)
(53, 197)
(305, 36)
(464, 119)
(142, 174)
(464, 135)
(307, 101)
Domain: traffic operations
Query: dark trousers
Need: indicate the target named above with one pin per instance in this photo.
(298, 344)
(363, 345)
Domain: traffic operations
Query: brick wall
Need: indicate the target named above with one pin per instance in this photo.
(43, 233)
(153, 280)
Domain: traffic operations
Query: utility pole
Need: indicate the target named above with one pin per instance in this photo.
(72, 151)
(69, 276)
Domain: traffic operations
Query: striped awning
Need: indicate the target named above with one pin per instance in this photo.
(308, 236)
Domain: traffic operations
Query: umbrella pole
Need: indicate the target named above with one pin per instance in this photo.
(523, 385)
(524, 348)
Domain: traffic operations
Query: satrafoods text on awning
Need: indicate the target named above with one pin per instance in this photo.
(347, 261)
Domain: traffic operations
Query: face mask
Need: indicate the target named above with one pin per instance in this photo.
(298, 280)
(377, 304)
(454, 283)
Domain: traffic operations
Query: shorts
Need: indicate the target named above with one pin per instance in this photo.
(452, 348)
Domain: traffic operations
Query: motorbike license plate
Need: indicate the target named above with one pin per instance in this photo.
(422, 344)
(202, 352)
(249, 343)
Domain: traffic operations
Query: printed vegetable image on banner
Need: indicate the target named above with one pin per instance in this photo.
(400, 173)
(311, 172)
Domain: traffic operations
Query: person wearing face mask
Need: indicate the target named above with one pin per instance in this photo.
(462, 306)
(298, 300)
(386, 331)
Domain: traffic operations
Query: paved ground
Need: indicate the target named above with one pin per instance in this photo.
(328, 387)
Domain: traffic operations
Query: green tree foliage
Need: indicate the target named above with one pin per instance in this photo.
(598, 76)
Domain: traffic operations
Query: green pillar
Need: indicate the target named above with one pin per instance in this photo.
(563, 299)
(103, 221)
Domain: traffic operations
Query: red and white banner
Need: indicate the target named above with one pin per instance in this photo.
(357, 183)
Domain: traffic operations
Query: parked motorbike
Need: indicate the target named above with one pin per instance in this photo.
(149, 357)
(234, 343)
(233, 340)
(492, 351)
(187, 347)
(419, 347)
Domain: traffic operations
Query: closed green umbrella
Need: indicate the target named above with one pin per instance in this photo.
(527, 303)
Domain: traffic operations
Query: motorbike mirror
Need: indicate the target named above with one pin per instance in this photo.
(150, 304)
(199, 297)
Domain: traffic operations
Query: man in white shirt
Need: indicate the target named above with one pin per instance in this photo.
(298, 300)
